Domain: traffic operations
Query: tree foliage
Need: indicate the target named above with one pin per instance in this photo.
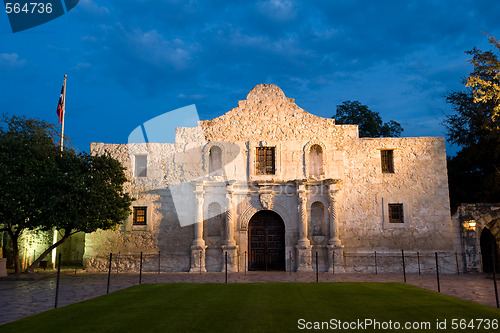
(369, 122)
(44, 188)
(474, 173)
(86, 194)
(27, 159)
(485, 79)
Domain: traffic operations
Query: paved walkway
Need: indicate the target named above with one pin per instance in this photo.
(23, 298)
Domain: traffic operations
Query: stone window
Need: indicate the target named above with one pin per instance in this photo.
(396, 213)
(141, 165)
(215, 220)
(387, 159)
(318, 218)
(215, 161)
(140, 216)
(265, 161)
(316, 161)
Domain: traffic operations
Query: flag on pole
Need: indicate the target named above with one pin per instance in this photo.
(60, 106)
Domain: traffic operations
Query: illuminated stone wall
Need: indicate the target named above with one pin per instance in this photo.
(352, 185)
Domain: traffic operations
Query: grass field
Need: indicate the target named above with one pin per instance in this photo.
(261, 307)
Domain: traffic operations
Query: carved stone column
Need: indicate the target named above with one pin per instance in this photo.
(303, 244)
(335, 247)
(229, 245)
(198, 245)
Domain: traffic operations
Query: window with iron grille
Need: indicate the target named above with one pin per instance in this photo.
(396, 213)
(265, 161)
(387, 158)
(141, 165)
(140, 216)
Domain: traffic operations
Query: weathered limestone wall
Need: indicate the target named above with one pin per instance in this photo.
(419, 182)
(268, 118)
(162, 232)
(31, 245)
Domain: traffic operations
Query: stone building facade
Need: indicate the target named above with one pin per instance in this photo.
(274, 187)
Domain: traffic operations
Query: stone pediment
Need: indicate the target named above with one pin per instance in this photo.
(267, 115)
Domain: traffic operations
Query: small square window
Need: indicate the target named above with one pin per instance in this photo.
(387, 159)
(265, 161)
(141, 165)
(396, 213)
(140, 217)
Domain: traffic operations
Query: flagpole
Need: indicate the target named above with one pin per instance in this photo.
(63, 110)
(63, 113)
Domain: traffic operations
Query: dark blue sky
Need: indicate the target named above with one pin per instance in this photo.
(128, 61)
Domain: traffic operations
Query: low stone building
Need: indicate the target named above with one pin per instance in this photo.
(274, 187)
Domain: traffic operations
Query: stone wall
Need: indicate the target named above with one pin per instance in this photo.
(31, 245)
(268, 118)
(419, 182)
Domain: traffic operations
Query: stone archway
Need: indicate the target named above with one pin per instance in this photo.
(488, 251)
(489, 240)
(481, 240)
(266, 241)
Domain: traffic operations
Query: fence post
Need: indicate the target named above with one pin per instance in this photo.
(437, 271)
(140, 270)
(480, 257)
(418, 262)
(290, 261)
(376, 268)
(76, 260)
(456, 259)
(404, 267)
(245, 262)
(58, 275)
(333, 261)
(317, 268)
(494, 277)
(266, 255)
(225, 255)
(109, 271)
(200, 262)
(117, 262)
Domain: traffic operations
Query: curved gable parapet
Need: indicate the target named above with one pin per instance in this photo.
(266, 92)
(267, 114)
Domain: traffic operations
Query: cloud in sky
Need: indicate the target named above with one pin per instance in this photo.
(11, 61)
(128, 62)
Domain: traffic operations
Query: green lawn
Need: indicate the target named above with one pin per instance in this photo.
(256, 307)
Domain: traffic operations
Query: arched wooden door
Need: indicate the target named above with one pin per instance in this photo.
(266, 242)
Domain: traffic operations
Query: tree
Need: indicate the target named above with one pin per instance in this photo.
(485, 79)
(369, 122)
(45, 189)
(87, 194)
(27, 158)
(474, 173)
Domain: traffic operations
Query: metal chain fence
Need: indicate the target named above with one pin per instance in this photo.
(134, 267)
